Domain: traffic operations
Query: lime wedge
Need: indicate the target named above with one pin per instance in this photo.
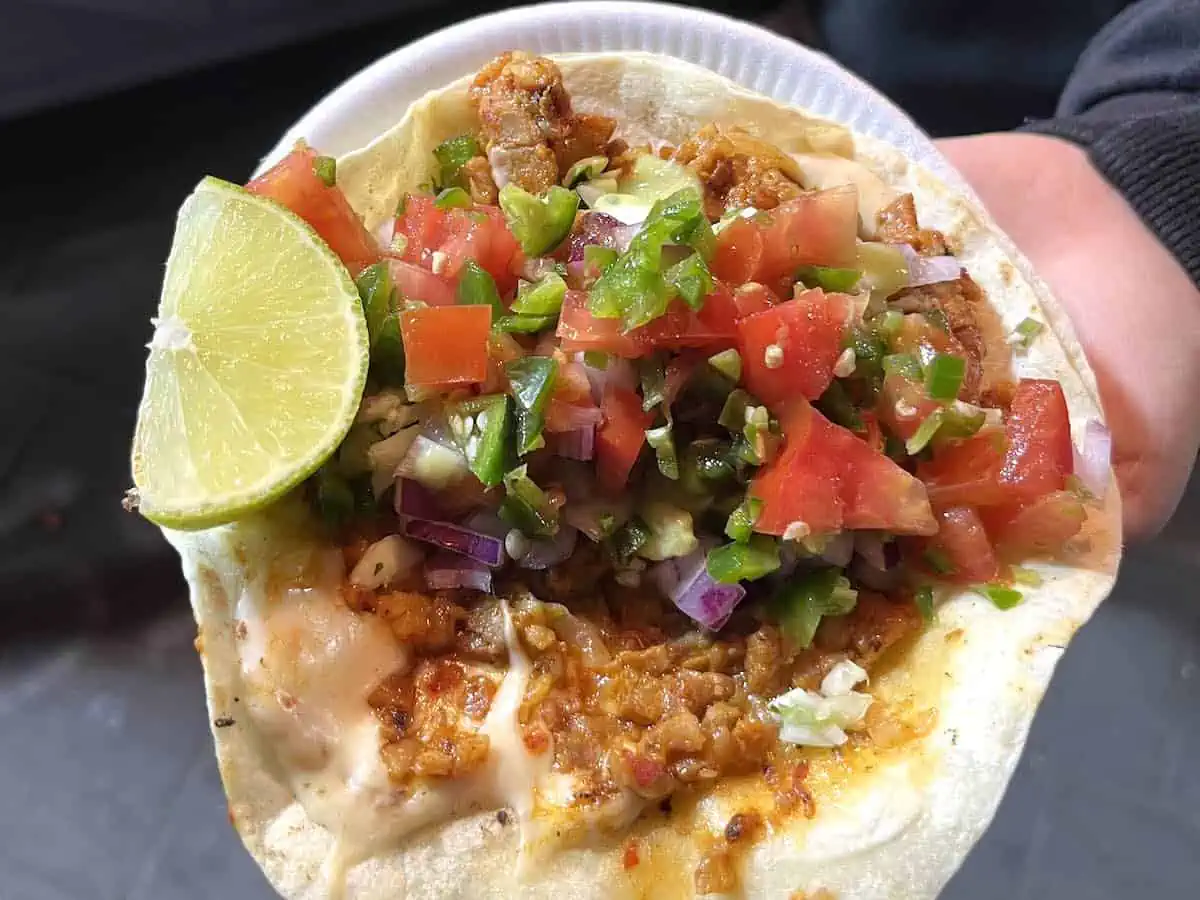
(256, 366)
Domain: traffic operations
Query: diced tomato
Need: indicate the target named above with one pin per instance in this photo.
(1038, 527)
(967, 472)
(873, 434)
(445, 345)
(1040, 456)
(293, 182)
(814, 229)
(619, 437)
(963, 545)
(580, 330)
(739, 252)
(828, 478)
(903, 405)
(808, 330)
(479, 234)
(416, 283)
(713, 328)
(753, 298)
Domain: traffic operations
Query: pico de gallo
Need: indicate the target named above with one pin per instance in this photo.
(679, 375)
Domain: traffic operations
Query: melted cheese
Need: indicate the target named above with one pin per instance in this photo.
(308, 666)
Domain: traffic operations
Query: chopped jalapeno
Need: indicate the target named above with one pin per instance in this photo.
(1026, 332)
(691, 279)
(596, 359)
(925, 432)
(836, 405)
(923, 598)
(736, 562)
(733, 413)
(525, 324)
(526, 506)
(585, 170)
(541, 299)
(378, 297)
(740, 525)
(728, 363)
(634, 288)
(1003, 597)
(829, 278)
(451, 156)
(662, 442)
(453, 198)
(334, 496)
(596, 259)
(629, 539)
(477, 287)
(653, 376)
(802, 602)
(903, 364)
(481, 426)
(325, 168)
(531, 381)
(706, 465)
(539, 223)
(944, 376)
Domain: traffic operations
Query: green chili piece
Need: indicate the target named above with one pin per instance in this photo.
(544, 298)
(380, 308)
(453, 198)
(526, 506)
(477, 287)
(829, 278)
(325, 168)
(802, 602)
(539, 223)
(740, 525)
(481, 426)
(736, 562)
(531, 381)
(451, 156)
(944, 376)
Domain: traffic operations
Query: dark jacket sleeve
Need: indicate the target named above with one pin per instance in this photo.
(1133, 102)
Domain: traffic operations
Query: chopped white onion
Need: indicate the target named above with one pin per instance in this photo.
(929, 269)
(1093, 458)
(842, 678)
(384, 458)
(385, 561)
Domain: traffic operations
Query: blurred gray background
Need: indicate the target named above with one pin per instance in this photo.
(110, 110)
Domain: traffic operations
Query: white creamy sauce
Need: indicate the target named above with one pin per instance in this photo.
(309, 665)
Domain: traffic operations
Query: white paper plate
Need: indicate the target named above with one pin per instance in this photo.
(370, 102)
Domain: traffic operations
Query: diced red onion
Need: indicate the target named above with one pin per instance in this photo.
(687, 582)
(929, 269)
(482, 547)
(417, 501)
(839, 548)
(579, 443)
(575, 415)
(449, 571)
(485, 521)
(537, 268)
(877, 553)
(546, 552)
(599, 230)
(619, 373)
(1093, 458)
(862, 572)
(383, 234)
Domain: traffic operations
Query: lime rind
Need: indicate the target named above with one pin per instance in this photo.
(257, 364)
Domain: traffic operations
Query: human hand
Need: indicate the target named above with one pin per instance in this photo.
(1134, 308)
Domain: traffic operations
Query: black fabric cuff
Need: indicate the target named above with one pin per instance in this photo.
(1152, 157)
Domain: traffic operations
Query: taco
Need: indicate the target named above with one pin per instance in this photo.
(710, 521)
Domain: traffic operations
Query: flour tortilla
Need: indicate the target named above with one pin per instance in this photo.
(890, 823)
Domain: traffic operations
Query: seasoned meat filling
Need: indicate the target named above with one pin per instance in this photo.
(737, 170)
(531, 134)
(898, 225)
